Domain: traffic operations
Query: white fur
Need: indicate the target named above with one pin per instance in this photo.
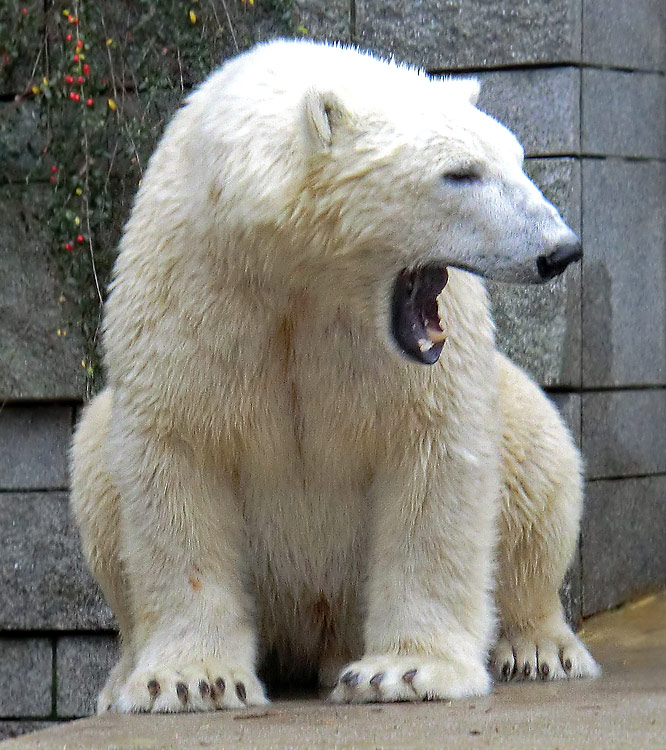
(265, 471)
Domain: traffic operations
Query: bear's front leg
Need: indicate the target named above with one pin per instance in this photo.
(183, 545)
(429, 614)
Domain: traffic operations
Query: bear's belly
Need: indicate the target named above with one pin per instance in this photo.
(303, 482)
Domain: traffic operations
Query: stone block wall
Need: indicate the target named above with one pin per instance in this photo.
(582, 83)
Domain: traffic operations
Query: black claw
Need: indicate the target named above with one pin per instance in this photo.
(204, 689)
(240, 691)
(527, 669)
(351, 678)
(220, 687)
(182, 692)
(375, 680)
(153, 688)
(506, 670)
(545, 670)
(410, 675)
(567, 664)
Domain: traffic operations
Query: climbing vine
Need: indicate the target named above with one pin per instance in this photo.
(103, 78)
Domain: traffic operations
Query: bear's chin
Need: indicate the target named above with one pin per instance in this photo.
(415, 323)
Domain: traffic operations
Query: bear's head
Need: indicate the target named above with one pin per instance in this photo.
(416, 179)
(336, 170)
(435, 179)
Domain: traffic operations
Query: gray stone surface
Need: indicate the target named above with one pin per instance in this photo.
(539, 326)
(624, 433)
(37, 363)
(623, 533)
(34, 441)
(624, 34)
(471, 33)
(83, 664)
(542, 107)
(23, 135)
(11, 729)
(624, 114)
(323, 19)
(624, 267)
(25, 677)
(43, 579)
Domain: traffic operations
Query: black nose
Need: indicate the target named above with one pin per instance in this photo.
(552, 265)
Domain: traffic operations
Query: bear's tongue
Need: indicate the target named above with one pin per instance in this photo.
(415, 323)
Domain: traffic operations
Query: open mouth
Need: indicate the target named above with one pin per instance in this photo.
(415, 323)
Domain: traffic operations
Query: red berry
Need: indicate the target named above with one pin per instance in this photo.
(24, 11)
(76, 97)
(69, 247)
(89, 102)
(72, 95)
(79, 44)
(75, 58)
(54, 169)
(52, 178)
(75, 21)
(79, 239)
(69, 79)
(68, 37)
(86, 69)
(79, 79)
(6, 58)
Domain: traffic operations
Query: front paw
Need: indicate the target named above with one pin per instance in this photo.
(390, 678)
(178, 686)
(542, 656)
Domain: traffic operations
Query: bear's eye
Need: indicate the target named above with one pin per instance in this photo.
(461, 177)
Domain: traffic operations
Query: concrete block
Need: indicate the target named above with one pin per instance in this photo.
(323, 19)
(624, 34)
(25, 677)
(34, 441)
(23, 136)
(542, 107)
(11, 729)
(439, 34)
(43, 579)
(624, 266)
(83, 663)
(37, 363)
(623, 532)
(624, 433)
(624, 114)
(539, 326)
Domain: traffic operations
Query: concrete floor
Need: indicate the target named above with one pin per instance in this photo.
(625, 708)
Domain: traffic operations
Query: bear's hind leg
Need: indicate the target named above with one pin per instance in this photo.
(542, 492)
(96, 508)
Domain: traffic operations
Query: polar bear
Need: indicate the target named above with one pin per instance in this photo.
(309, 445)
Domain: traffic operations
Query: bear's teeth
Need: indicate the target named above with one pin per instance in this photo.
(436, 336)
(425, 345)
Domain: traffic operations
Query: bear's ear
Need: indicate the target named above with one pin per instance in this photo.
(324, 112)
(467, 88)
